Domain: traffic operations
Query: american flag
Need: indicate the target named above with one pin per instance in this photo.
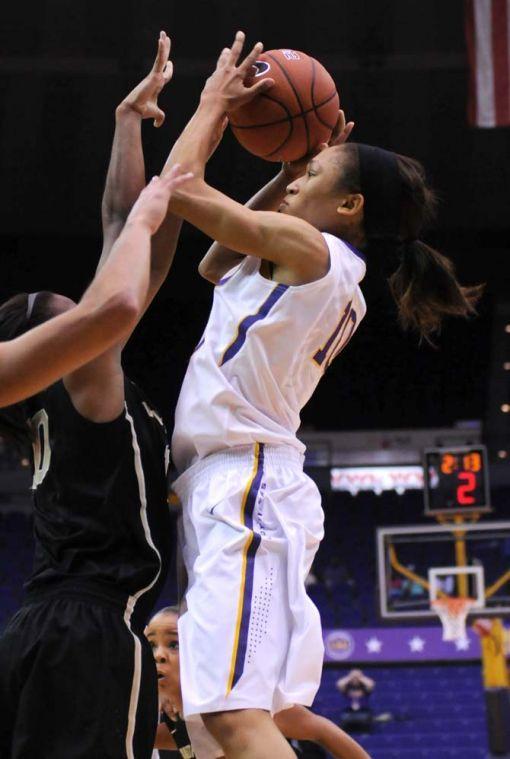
(488, 43)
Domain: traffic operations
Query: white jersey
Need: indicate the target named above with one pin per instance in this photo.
(265, 347)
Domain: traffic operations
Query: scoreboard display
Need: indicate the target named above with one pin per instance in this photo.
(456, 480)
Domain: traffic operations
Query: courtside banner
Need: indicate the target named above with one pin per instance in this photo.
(397, 644)
(487, 37)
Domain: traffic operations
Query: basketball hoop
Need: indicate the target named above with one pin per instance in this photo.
(452, 613)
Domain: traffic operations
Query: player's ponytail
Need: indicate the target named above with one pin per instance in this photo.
(426, 289)
(398, 207)
(17, 315)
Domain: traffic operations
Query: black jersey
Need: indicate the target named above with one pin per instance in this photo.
(101, 520)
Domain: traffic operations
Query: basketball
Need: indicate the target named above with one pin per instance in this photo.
(295, 116)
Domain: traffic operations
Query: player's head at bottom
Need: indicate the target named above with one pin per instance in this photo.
(18, 315)
(381, 203)
(163, 636)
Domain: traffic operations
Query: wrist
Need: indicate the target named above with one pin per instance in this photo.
(213, 104)
(126, 110)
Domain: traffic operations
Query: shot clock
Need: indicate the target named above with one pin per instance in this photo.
(456, 480)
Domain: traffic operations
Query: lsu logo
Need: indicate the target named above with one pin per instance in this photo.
(291, 55)
(339, 645)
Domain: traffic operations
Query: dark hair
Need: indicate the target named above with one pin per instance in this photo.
(166, 610)
(422, 280)
(15, 319)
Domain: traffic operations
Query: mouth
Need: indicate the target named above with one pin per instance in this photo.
(283, 205)
(161, 676)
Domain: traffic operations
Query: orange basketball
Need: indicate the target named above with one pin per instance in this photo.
(295, 116)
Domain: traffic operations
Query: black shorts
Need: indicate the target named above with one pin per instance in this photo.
(76, 683)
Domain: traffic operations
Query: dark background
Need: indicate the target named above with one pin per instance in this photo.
(401, 70)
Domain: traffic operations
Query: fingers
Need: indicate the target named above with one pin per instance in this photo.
(223, 58)
(339, 126)
(259, 87)
(168, 72)
(163, 53)
(175, 177)
(342, 131)
(237, 48)
(250, 59)
(159, 117)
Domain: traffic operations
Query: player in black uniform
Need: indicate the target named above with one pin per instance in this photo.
(77, 678)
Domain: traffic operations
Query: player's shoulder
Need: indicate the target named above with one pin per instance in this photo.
(345, 260)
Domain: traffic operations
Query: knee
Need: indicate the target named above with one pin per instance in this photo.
(234, 729)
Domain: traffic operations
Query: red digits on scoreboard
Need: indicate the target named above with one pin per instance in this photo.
(463, 491)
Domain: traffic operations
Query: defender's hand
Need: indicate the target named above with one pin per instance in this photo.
(341, 132)
(226, 87)
(151, 207)
(144, 98)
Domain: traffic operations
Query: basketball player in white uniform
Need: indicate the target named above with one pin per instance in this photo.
(287, 302)
(251, 637)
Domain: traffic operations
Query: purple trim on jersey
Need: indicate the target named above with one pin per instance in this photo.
(323, 352)
(354, 250)
(242, 646)
(202, 341)
(250, 320)
(224, 280)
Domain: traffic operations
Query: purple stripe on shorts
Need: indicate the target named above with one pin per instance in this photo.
(242, 646)
(250, 320)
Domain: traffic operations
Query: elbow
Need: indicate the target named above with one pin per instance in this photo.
(208, 272)
(120, 312)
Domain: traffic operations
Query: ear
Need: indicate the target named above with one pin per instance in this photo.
(351, 205)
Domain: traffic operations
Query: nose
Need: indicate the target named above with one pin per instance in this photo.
(293, 187)
(160, 655)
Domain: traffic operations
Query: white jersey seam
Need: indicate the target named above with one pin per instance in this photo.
(132, 600)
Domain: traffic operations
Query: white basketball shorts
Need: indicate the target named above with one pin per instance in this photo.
(251, 636)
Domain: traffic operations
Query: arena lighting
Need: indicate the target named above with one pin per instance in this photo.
(502, 454)
(505, 408)
(506, 366)
(507, 327)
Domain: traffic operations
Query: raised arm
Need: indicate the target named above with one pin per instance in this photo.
(107, 312)
(291, 243)
(126, 173)
(219, 259)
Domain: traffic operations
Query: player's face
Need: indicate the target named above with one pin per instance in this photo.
(316, 195)
(163, 637)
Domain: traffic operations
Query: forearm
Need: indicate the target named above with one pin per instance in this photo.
(337, 742)
(164, 244)
(107, 312)
(219, 259)
(125, 178)
(164, 738)
(193, 148)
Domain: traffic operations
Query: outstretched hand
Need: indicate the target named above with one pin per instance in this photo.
(151, 207)
(144, 98)
(227, 86)
(340, 134)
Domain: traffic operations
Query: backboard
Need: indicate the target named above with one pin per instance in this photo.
(457, 560)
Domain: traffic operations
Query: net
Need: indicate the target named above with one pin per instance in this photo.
(452, 613)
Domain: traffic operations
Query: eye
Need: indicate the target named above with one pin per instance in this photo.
(311, 173)
(174, 646)
(152, 644)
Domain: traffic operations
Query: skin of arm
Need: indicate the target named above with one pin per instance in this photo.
(97, 389)
(108, 311)
(291, 243)
(219, 260)
(302, 724)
